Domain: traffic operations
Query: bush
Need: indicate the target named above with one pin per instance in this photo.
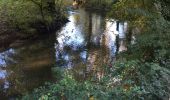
(135, 80)
(29, 15)
(98, 4)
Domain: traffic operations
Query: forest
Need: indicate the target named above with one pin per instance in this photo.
(84, 49)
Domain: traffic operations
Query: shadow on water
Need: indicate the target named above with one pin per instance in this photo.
(84, 45)
(27, 67)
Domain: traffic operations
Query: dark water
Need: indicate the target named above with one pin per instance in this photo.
(84, 45)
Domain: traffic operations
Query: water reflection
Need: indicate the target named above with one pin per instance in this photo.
(84, 45)
(27, 67)
(88, 42)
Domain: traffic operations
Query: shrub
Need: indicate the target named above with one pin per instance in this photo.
(31, 15)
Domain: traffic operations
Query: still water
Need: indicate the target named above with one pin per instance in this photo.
(85, 44)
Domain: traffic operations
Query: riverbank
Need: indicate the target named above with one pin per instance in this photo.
(26, 21)
(13, 38)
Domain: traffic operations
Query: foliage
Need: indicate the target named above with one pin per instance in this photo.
(165, 5)
(152, 43)
(98, 4)
(125, 80)
(30, 15)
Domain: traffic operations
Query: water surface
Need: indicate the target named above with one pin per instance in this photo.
(85, 44)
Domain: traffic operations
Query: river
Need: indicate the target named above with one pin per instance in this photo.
(85, 44)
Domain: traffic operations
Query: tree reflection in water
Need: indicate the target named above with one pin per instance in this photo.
(84, 45)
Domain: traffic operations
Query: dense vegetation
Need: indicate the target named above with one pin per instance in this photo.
(103, 5)
(142, 72)
(31, 16)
